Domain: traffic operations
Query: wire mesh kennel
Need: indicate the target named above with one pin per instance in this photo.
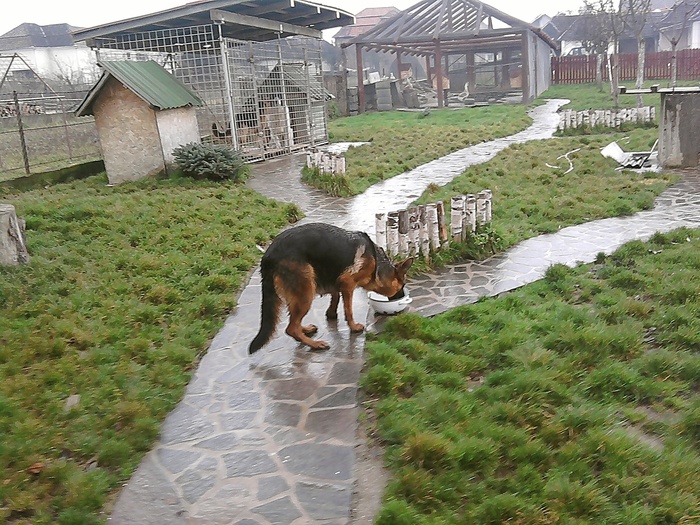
(265, 99)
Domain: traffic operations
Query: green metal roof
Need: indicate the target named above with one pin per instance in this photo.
(149, 80)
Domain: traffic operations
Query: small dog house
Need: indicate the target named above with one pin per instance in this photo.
(142, 114)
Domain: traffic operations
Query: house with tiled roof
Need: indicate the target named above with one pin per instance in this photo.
(364, 21)
(49, 51)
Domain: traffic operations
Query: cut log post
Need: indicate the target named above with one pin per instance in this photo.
(413, 231)
(380, 229)
(433, 228)
(456, 218)
(403, 233)
(470, 215)
(392, 233)
(441, 222)
(424, 238)
(13, 242)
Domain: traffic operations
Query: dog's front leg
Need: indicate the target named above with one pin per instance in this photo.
(347, 306)
(332, 311)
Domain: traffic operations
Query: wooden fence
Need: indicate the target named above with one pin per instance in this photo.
(657, 66)
(570, 118)
(424, 229)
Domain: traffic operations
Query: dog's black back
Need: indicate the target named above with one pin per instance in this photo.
(316, 259)
(328, 249)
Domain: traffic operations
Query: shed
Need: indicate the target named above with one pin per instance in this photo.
(497, 54)
(142, 114)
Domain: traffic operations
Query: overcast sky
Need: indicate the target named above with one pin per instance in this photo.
(84, 13)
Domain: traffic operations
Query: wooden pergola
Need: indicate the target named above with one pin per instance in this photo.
(435, 29)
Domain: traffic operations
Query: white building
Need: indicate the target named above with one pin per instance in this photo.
(51, 52)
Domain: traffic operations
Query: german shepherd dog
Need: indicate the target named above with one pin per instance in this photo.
(318, 259)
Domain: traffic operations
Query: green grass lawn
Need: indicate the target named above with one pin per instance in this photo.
(127, 285)
(572, 400)
(401, 141)
(124, 290)
(589, 96)
(531, 198)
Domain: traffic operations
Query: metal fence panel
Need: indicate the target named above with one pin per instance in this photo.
(266, 99)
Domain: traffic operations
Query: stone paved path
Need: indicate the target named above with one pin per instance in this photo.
(271, 439)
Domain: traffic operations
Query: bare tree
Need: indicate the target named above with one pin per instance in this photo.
(612, 10)
(634, 14)
(674, 26)
(596, 33)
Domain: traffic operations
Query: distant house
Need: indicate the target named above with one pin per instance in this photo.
(142, 114)
(569, 31)
(364, 21)
(50, 52)
(682, 23)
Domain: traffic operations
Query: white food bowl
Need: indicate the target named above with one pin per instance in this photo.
(382, 305)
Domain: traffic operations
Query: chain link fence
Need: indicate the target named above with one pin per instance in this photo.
(38, 132)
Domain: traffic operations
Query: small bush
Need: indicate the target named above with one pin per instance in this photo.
(215, 162)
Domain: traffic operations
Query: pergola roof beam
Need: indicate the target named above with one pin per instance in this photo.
(218, 15)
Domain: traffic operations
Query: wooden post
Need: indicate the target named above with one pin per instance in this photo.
(360, 80)
(380, 229)
(413, 231)
(403, 233)
(471, 71)
(482, 207)
(20, 128)
(470, 214)
(489, 206)
(433, 228)
(438, 75)
(13, 242)
(457, 212)
(424, 238)
(392, 233)
(441, 222)
(525, 69)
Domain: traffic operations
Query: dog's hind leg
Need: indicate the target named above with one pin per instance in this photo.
(332, 311)
(298, 309)
(298, 288)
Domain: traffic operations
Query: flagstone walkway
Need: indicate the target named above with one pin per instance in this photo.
(271, 439)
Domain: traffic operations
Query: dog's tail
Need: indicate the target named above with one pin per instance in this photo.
(269, 311)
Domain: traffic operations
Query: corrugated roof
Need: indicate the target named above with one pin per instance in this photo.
(292, 14)
(149, 80)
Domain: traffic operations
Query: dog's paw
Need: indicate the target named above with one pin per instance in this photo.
(309, 329)
(319, 345)
(357, 327)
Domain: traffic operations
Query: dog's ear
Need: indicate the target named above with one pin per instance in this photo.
(403, 266)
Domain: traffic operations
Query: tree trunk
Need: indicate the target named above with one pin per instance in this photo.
(599, 71)
(641, 50)
(615, 75)
(13, 244)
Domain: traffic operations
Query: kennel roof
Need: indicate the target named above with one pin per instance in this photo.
(255, 20)
(148, 80)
